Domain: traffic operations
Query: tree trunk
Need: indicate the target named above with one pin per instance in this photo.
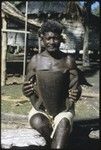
(4, 51)
(86, 62)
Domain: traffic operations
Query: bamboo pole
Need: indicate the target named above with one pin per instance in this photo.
(4, 52)
(15, 31)
(25, 48)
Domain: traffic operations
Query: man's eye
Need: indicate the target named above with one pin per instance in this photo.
(56, 38)
(48, 39)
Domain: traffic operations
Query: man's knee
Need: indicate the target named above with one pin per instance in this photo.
(41, 123)
(38, 121)
(64, 123)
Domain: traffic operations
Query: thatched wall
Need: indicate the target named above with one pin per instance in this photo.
(74, 29)
(38, 7)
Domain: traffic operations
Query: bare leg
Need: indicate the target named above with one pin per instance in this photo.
(61, 135)
(41, 123)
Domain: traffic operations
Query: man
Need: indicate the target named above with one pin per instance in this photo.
(55, 125)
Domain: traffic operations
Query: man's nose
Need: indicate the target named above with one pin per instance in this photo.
(51, 41)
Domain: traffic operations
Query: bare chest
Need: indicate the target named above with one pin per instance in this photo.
(51, 64)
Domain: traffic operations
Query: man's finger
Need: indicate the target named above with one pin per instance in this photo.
(74, 91)
(28, 86)
(27, 82)
(28, 94)
(72, 97)
(29, 90)
(74, 94)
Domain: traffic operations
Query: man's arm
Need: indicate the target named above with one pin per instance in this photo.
(28, 85)
(74, 84)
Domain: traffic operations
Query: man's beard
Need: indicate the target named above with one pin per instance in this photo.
(52, 48)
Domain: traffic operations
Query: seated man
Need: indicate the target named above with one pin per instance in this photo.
(51, 117)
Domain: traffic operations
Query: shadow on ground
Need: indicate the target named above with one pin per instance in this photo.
(80, 140)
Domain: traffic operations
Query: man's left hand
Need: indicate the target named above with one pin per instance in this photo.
(75, 94)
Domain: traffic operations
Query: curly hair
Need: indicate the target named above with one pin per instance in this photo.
(52, 26)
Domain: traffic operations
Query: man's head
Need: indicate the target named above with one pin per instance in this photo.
(52, 26)
(51, 35)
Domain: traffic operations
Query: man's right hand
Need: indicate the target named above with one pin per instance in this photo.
(28, 88)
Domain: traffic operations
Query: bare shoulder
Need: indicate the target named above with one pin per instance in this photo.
(32, 63)
(31, 67)
(33, 59)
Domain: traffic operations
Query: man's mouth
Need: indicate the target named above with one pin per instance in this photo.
(52, 47)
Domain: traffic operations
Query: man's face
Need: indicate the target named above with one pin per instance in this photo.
(51, 41)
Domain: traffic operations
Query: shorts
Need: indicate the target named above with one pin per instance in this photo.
(69, 115)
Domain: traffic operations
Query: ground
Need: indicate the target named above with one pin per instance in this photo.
(87, 109)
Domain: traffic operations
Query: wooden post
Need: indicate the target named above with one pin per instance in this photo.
(39, 44)
(4, 51)
(25, 49)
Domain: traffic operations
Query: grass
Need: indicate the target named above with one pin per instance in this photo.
(85, 110)
(11, 107)
(9, 96)
(14, 91)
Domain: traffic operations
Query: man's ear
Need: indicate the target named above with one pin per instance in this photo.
(62, 39)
